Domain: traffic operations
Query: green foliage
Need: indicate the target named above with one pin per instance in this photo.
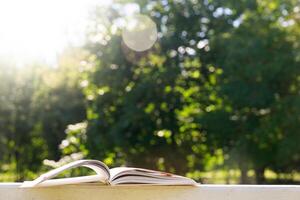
(219, 90)
(36, 105)
(59, 100)
(145, 115)
(260, 75)
(21, 145)
(213, 83)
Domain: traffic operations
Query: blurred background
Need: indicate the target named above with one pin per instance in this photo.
(208, 89)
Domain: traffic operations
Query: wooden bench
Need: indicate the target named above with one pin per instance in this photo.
(11, 191)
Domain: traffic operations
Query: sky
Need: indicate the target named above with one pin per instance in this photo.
(40, 29)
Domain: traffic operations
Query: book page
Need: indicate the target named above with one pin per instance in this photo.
(100, 168)
(66, 181)
(126, 175)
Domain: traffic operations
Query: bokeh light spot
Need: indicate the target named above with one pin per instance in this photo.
(139, 33)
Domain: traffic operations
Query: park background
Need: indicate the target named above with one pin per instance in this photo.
(216, 98)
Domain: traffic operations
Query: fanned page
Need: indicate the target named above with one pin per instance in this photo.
(102, 175)
(129, 175)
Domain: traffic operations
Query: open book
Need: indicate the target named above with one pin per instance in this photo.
(114, 176)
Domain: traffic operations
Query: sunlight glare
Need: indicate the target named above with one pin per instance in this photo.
(39, 30)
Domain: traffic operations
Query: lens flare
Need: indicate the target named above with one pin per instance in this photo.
(139, 33)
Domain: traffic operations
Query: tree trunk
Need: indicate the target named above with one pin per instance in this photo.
(260, 175)
(244, 177)
(244, 170)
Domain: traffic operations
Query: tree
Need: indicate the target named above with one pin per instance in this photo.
(37, 104)
(59, 100)
(259, 81)
(22, 146)
(142, 105)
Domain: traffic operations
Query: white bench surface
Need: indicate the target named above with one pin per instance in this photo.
(11, 191)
